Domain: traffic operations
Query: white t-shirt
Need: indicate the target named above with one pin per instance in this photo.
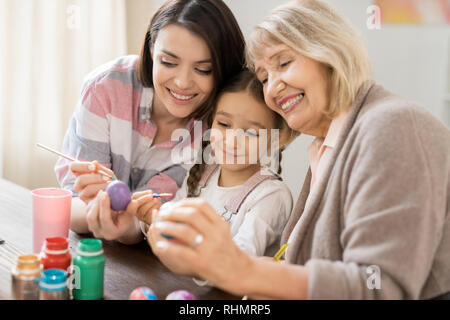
(257, 226)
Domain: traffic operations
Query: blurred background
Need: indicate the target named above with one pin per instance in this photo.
(48, 46)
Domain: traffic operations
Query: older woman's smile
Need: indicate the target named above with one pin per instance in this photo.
(290, 103)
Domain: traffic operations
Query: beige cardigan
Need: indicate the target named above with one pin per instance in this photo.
(383, 201)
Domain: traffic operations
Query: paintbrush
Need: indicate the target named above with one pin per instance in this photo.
(65, 156)
(161, 195)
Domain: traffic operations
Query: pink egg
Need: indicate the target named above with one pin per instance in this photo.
(180, 295)
(119, 195)
(143, 293)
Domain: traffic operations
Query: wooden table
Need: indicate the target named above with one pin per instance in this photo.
(126, 267)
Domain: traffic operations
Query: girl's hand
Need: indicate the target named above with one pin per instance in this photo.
(106, 223)
(203, 248)
(89, 182)
(143, 204)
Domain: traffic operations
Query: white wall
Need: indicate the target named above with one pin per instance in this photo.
(1, 120)
(412, 61)
(1, 141)
(139, 13)
(2, 85)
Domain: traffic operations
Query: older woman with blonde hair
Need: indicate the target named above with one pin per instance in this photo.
(372, 220)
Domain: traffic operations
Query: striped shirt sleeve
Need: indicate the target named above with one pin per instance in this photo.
(87, 137)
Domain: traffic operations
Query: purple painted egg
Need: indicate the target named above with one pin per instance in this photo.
(119, 194)
(180, 295)
(143, 293)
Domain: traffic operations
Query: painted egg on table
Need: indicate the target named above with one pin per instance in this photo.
(119, 194)
(180, 295)
(143, 293)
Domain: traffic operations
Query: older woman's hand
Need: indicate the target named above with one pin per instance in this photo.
(89, 182)
(203, 247)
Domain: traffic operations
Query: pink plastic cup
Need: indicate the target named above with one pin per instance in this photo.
(51, 214)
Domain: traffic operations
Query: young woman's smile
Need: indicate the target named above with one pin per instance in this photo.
(180, 97)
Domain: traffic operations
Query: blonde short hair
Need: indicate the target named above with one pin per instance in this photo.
(315, 30)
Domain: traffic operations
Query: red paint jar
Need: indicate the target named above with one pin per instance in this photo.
(55, 253)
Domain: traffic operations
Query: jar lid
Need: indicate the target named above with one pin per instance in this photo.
(90, 245)
(56, 243)
(29, 263)
(27, 266)
(53, 279)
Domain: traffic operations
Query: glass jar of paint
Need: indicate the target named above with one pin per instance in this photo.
(25, 277)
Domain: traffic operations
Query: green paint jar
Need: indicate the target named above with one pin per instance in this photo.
(90, 261)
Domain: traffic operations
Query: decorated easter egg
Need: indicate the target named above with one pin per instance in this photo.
(119, 194)
(143, 293)
(180, 295)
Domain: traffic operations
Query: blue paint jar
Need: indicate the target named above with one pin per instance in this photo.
(53, 285)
